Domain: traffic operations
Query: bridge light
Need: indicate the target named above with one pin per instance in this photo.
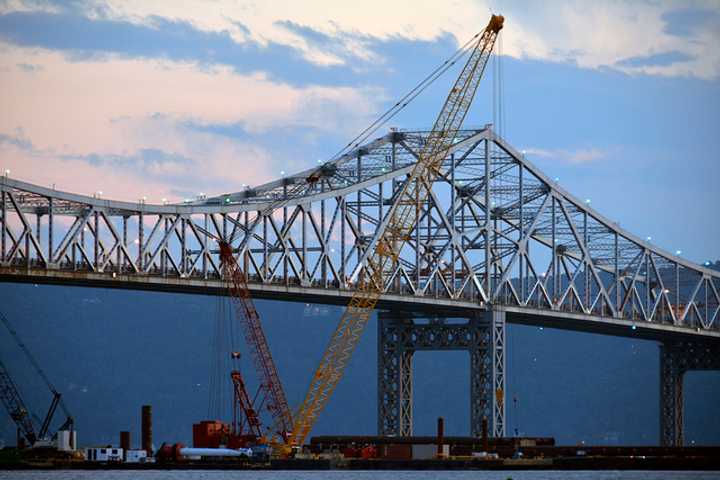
(666, 291)
(707, 264)
(524, 152)
(678, 252)
(7, 172)
(587, 200)
(649, 238)
(557, 179)
(634, 327)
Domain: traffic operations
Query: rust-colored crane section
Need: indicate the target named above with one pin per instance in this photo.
(402, 219)
(248, 423)
(246, 312)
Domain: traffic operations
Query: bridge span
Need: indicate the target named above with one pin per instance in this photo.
(496, 241)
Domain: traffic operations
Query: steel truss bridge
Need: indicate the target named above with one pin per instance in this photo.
(496, 241)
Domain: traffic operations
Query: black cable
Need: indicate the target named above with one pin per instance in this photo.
(408, 97)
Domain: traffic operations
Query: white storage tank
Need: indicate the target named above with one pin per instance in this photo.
(66, 440)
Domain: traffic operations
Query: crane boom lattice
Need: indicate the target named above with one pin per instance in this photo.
(15, 405)
(249, 318)
(402, 220)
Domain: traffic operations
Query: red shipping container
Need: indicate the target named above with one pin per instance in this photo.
(397, 452)
(210, 434)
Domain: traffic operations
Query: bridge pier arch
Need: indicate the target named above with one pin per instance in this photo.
(676, 359)
(399, 337)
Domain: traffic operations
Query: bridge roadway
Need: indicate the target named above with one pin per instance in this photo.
(497, 241)
(413, 306)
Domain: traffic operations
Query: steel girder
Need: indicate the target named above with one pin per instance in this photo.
(494, 231)
(677, 358)
(399, 337)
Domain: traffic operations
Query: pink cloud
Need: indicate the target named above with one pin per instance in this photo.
(85, 126)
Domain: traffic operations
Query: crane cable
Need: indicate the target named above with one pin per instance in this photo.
(408, 97)
(34, 363)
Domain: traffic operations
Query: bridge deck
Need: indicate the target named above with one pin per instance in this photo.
(417, 305)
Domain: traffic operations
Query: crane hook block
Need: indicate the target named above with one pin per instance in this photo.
(496, 23)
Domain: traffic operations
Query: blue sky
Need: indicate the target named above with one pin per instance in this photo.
(620, 101)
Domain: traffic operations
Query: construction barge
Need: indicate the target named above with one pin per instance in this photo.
(410, 453)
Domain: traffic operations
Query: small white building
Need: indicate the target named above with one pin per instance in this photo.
(136, 456)
(104, 454)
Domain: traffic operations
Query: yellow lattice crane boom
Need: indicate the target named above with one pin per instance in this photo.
(403, 217)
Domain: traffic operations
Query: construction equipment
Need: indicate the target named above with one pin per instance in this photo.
(10, 396)
(255, 338)
(246, 312)
(401, 222)
(246, 423)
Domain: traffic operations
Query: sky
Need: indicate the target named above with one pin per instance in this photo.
(166, 100)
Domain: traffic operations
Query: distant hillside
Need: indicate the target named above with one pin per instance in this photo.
(111, 351)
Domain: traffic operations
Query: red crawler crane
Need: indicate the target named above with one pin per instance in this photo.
(276, 402)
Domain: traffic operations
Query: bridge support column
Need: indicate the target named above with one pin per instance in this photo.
(677, 358)
(487, 373)
(395, 412)
(399, 337)
(671, 411)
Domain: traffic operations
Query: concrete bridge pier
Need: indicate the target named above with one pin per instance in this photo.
(677, 358)
(401, 334)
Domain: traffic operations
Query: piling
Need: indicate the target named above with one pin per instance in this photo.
(485, 434)
(440, 436)
(125, 443)
(146, 427)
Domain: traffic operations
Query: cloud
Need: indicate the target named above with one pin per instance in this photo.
(655, 60)
(686, 22)
(129, 126)
(577, 156)
(29, 68)
(331, 35)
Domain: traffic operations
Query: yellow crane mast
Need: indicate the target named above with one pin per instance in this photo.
(402, 220)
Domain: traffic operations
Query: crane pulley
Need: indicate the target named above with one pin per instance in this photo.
(403, 217)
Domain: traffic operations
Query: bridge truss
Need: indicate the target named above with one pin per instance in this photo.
(494, 233)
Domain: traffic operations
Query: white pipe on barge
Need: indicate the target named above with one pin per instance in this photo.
(214, 452)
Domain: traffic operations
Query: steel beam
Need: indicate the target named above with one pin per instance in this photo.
(676, 359)
(399, 337)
